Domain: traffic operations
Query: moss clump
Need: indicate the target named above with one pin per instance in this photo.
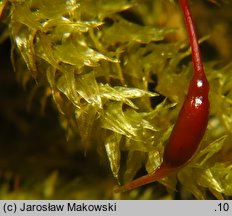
(108, 65)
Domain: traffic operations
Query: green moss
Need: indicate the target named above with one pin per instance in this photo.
(106, 64)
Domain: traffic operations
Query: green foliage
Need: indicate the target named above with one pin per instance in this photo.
(101, 68)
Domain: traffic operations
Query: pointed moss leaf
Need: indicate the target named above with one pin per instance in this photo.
(123, 94)
(161, 109)
(222, 173)
(226, 81)
(113, 152)
(2, 5)
(111, 93)
(24, 41)
(154, 161)
(227, 118)
(218, 178)
(125, 31)
(115, 120)
(207, 179)
(142, 143)
(133, 164)
(156, 154)
(85, 122)
(227, 184)
(188, 179)
(23, 15)
(65, 25)
(51, 73)
(49, 9)
(129, 123)
(80, 54)
(203, 155)
(49, 184)
(134, 92)
(137, 119)
(216, 194)
(87, 87)
(66, 84)
(44, 50)
(60, 103)
(104, 8)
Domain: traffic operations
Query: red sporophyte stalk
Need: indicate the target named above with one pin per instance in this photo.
(192, 120)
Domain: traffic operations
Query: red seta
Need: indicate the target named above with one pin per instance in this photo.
(192, 119)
